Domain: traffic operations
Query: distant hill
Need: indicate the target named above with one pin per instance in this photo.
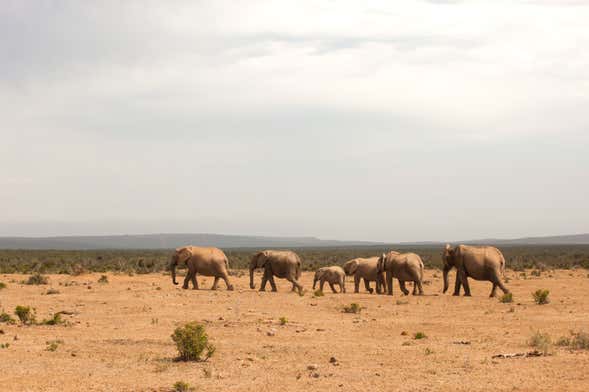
(170, 241)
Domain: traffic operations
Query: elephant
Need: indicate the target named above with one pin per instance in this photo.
(204, 261)
(477, 262)
(405, 267)
(282, 264)
(332, 275)
(365, 268)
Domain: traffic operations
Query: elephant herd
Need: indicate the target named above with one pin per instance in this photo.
(484, 263)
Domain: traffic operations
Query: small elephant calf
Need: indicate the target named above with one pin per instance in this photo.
(332, 275)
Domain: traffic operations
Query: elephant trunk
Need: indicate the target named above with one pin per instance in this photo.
(173, 271)
(314, 283)
(446, 270)
(252, 285)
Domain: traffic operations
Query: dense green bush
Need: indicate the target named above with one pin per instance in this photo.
(192, 342)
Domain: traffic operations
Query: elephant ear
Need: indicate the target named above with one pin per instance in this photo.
(183, 254)
(353, 267)
(261, 259)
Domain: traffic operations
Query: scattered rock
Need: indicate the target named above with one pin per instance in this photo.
(312, 367)
(271, 332)
(221, 318)
(320, 330)
(333, 360)
(315, 375)
(465, 342)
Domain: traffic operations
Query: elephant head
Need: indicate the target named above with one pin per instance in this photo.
(350, 267)
(259, 260)
(318, 275)
(448, 260)
(181, 255)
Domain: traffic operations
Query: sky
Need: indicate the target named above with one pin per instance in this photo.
(373, 120)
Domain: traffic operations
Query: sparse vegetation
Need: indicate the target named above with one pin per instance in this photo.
(541, 296)
(4, 345)
(25, 314)
(419, 335)
(52, 291)
(53, 345)
(55, 320)
(542, 342)
(352, 308)
(318, 293)
(283, 320)
(6, 318)
(506, 298)
(428, 351)
(37, 279)
(103, 279)
(2, 285)
(577, 341)
(192, 342)
(181, 386)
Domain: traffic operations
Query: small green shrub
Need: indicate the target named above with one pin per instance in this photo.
(419, 335)
(37, 279)
(25, 314)
(191, 341)
(536, 273)
(580, 341)
(541, 341)
(6, 318)
(4, 345)
(352, 308)
(103, 279)
(506, 298)
(55, 320)
(541, 296)
(318, 293)
(181, 386)
(283, 320)
(52, 345)
(2, 285)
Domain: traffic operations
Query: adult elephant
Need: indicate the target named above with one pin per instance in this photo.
(405, 267)
(204, 261)
(477, 262)
(365, 268)
(282, 264)
(332, 275)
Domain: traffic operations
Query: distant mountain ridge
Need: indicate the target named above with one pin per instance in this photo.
(170, 241)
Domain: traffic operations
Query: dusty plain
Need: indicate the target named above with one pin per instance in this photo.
(119, 336)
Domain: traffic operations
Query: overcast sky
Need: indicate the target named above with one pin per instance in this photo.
(391, 121)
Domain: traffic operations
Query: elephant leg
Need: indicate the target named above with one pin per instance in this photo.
(367, 286)
(390, 282)
(403, 288)
(186, 280)
(264, 281)
(419, 287)
(356, 284)
(464, 280)
(215, 283)
(457, 284)
(297, 285)
(414, 288)
(194, 281)
(321, 284)
(332, 288)
(272, 282)
(493, 290)
(502, 286)
(342, 286)
(229, 285)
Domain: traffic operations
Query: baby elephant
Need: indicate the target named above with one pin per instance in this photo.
(332, 275)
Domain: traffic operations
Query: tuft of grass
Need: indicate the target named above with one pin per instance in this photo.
(192, 342)
(4, 345)
(541, 296)
(536, 273)
(25, 314)
(577, 341)
(103, 279)
(181, 386)
(52, 345)
(6, 318)
(419, 335)
(541, 341)
(318, 293)
(283, 320)
(2, 285)
(563, 341)
(352, 308)
(506, 298)
(52, 291)
(428, 351)
(55, 320)
(37, 279)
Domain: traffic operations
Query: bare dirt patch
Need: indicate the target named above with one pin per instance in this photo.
(118, 337)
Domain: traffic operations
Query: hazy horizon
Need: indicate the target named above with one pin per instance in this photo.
(428, 120)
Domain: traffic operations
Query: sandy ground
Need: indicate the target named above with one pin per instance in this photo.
(119, 337)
